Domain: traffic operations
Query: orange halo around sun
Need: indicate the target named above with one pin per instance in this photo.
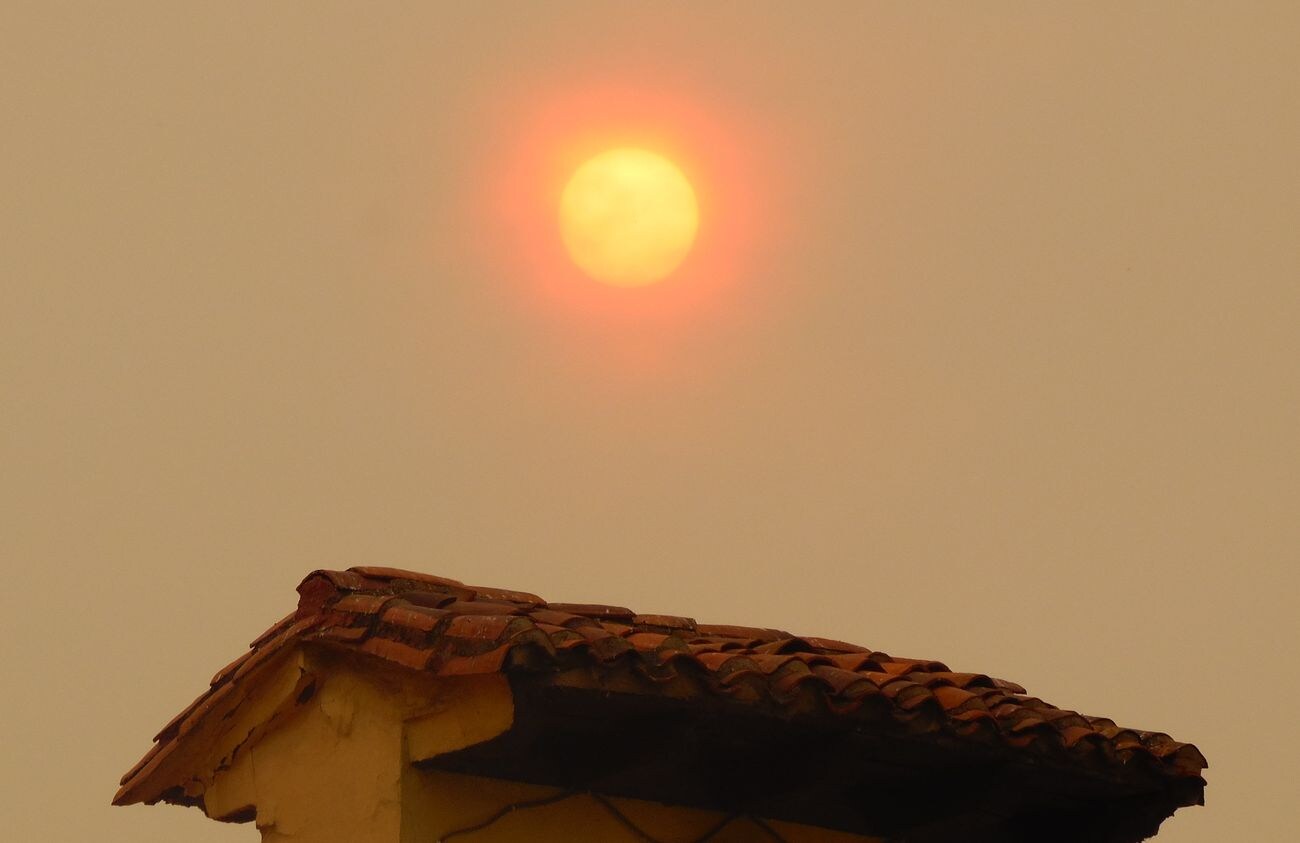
(674, 270)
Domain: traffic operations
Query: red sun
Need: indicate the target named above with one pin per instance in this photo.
(548, 137)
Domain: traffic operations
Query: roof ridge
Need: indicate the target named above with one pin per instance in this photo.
(442, 626)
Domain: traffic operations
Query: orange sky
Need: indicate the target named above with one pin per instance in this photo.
(988, 353)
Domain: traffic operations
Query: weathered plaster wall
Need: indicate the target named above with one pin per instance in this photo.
(331, 772)
(337, 768)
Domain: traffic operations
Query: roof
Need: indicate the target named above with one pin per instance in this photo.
(445, 628)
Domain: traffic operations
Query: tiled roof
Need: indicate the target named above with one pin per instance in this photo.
(443, 627)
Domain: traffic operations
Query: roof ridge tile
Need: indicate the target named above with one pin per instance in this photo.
(440, 625)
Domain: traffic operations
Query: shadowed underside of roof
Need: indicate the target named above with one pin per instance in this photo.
(770, 698)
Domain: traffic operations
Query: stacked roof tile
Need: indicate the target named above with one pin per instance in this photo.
(446, 628)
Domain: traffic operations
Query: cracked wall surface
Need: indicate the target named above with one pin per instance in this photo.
(447, 802)
(330, 773)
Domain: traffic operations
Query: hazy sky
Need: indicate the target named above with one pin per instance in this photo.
(996, 363)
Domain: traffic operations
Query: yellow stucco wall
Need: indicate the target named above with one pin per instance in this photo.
(338, 770)
(329, 773)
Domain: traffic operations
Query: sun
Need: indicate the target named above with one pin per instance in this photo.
(628, 217)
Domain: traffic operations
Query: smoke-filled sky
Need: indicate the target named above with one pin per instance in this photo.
(987, 350)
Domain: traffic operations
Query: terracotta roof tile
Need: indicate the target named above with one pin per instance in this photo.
(665, 621)
(440, 625)
(346, 634)
(397, 652)
(488, 662)
(380, 573)
(478, 627)
(361, 604)
(483, 607)
(748, 635)
(647, 640)
(595, 610)
(558, 619)
(505, 595)
(421, 618)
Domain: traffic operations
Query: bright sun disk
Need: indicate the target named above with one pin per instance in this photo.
(628, 217)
